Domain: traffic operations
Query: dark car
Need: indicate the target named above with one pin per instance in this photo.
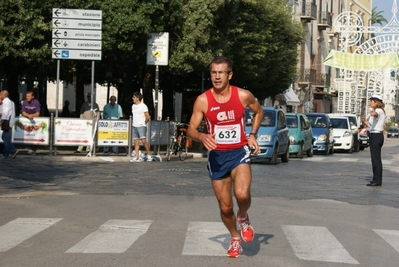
(363, 138)
(393, 132)
(323, 133)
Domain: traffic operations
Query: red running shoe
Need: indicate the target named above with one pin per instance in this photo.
(235, 248)
(247, 231)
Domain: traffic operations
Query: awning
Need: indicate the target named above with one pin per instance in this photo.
(291, 98)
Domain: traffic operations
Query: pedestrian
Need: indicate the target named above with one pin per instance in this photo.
(229, 148)
(7, 121)
(30, 110)
(140, 119)
(376, 124)
(65, 110)
(86, 113)
(112, 111)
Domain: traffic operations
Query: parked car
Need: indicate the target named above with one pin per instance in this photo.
(301, 135)
(393, 132)
(343, 137)
(355, 124)
(363, 138)
(323, 133)
(273, 138)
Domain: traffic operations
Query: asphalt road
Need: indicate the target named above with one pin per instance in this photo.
(79, 211)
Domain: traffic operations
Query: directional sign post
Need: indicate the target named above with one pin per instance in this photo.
(76, 35)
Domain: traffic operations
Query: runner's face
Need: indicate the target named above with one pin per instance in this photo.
(220, 75)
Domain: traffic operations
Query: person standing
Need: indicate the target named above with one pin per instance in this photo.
(229, 148)
(65, 110)
(31, 109)
(7, 117)
(376, 124)
(140, 119)
(86, 113)
(112, 111)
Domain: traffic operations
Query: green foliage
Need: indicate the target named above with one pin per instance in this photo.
(377, 17)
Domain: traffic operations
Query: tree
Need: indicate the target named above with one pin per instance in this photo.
(377, 17)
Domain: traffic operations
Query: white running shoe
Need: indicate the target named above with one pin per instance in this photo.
(136, 160)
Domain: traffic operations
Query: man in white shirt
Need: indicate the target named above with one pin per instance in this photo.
(140, 119)
(7, 117)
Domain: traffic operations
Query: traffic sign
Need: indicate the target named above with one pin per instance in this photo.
(77, 34)
(76, 54)
(76, 44)
(77, 14)
(158, 49)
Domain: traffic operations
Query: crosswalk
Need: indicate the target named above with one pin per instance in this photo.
(308, 243)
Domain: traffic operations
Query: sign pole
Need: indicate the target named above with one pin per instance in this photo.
(58, 89)
(156, 91)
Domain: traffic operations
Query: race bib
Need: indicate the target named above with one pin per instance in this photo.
(228, 134)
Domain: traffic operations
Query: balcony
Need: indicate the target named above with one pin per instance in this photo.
(306, 77)
(323, 80)
(324, 21)
(309, 12)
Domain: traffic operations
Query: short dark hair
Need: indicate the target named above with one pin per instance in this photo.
(138, 95)
(221, 60)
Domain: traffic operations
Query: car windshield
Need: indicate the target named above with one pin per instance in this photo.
(393, 130)
(317, 121)
(339, 123)
(268, 117)
(292, 121)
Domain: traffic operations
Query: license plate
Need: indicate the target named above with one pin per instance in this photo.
(364, 142)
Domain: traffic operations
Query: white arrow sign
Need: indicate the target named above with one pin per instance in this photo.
(76, 54)
(77, 24)
(76, 44)
(77, 34)
(77, 13)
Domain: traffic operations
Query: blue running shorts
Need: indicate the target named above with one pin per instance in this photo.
(139, 132)
(222, 162)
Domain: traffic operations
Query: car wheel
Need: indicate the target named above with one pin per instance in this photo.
(309, 153)
(286, 156)
(273, 160)
(332, 150)
(362, 148)
(300, 152)
(357, 147)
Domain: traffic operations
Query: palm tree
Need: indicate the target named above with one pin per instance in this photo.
(377, 17)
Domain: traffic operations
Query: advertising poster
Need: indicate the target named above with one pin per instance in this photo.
(113, 133)
(35, 131)
(72, 132)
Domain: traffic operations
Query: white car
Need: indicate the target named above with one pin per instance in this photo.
(354, 121)
(343, 137)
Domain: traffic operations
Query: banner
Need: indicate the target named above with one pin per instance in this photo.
(35, 131)
(73, 132)
(362, 62)
(113, 133)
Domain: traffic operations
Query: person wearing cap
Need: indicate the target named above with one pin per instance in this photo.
(376, 124)
(85, 113)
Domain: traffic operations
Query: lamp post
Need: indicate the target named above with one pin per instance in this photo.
(108, 76)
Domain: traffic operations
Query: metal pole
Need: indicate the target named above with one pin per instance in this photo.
(58, 89)
(92, 106)
(156, 91)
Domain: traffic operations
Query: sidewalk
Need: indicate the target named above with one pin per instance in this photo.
(68, 154)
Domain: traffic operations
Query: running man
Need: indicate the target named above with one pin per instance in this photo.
(228, 147)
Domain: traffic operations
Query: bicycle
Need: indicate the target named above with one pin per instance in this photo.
(178, 142)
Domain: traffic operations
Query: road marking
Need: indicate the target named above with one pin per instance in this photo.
(21, 229)
(390, 236)
(114, 236)
(206, 239)
(313, 159)
(386, 162)
(316, 244)
(349, 160)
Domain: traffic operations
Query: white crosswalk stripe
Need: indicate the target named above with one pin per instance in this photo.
(206, 239)
(315, 243)
(21, 229)
(348, 160)
(114, 236)
(390, 236)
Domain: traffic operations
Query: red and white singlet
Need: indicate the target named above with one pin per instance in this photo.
(226, 120)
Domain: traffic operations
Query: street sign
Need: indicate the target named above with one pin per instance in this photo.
(77, 24)
(76, 44)
(77, 54)
(77, 13)
(158, 49)
(76, 34)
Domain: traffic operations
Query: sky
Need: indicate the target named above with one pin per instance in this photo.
(386, 6)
